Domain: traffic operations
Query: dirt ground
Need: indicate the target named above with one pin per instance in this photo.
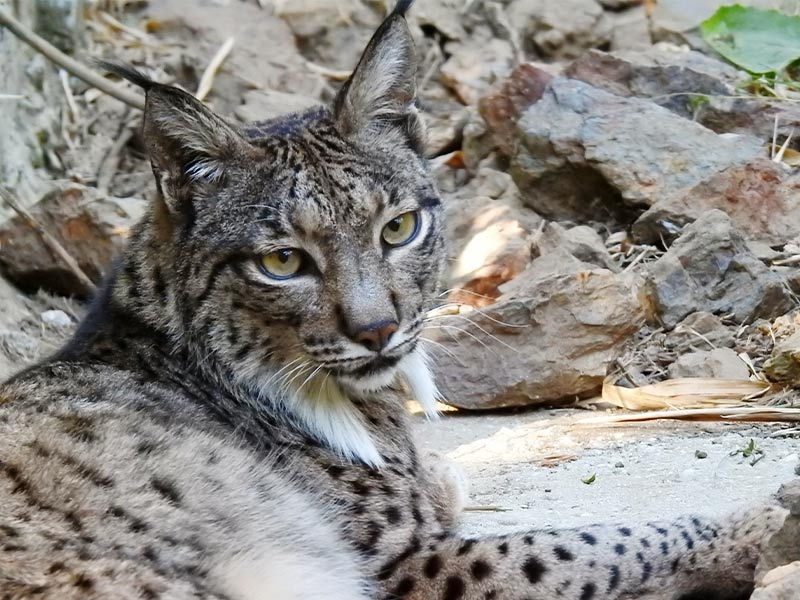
(641, 472)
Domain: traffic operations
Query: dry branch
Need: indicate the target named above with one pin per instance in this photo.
(69, 64)
(47, 238)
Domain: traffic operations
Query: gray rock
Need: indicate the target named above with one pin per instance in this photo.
(61, 23)
(783, 366)
(710, 268)
(582, 242)
(91, 228)
(488, 232)
(699, 331)
(689, 83)
(562, 29)
(760, 197)
(778, 572)
(472, 67)
(552, 335)
(720, 363)
(630, 29)
(586, 154)
(663, 72)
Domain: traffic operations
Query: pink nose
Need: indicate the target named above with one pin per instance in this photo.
(376, 337)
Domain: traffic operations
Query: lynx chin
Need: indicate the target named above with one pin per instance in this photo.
(229, 420)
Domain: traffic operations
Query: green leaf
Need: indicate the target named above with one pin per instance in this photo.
(758, 41)
(590, 480)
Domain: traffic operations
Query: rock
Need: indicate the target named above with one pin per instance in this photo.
(91, 228)
(561, 29)
(27, 122)
(784, 364)
(472, 67)
(720, 363)
(61, 23)
(630, 29)
(23, 340)
(780, 583)
(502, 106)
(699, 331)
(710, 268)
(282, 68)
(619, 4)
(332, 34)
(689, 83)
(662, 72)
(586, 154)
(551, 336)
(778, 572)
(260, 105)
(487, 234)
(582, 242)
(760, 198)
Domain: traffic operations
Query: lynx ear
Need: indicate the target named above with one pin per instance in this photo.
(186, 142)
(378, 100)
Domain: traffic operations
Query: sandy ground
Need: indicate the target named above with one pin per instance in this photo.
(641, 472)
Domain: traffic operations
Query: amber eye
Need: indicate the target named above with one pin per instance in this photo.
(402, 229)
(282, 264)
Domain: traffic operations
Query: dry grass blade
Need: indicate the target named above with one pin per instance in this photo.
(207, 80)
(723, 413)
(684, 393)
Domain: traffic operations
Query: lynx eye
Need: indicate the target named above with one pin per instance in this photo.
(402, 229)
(282, 264)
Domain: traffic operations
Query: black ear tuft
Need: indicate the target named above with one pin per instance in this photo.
(402, 6)
(127, 72)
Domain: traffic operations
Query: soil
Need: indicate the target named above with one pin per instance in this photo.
(642, 472)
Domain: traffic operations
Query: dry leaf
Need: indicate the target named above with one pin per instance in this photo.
(685, 393)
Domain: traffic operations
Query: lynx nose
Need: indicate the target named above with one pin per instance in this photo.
(376, 336)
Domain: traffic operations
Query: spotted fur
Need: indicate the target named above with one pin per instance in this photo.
(211, 432)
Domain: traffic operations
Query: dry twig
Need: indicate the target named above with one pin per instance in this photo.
(207, 80)
(47, 238)
(62, 60)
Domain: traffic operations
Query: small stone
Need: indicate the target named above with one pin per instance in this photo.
(720, 363)
(619, 465)
(701, 454)
(710, 268)
(56, 318)
(784, 364)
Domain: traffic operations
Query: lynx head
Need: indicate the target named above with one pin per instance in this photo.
(298, 255)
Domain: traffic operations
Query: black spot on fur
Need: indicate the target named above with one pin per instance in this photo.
(624, 531)
(167, 489)
(480, 570)
(465, 547)
(432, 566)
(393, 515)
(588, 538)
(405, 586)
(563, 554)
(588, 590)
(619, 549)
(613, 580)
(454, 588)
(533, 569)
(503, 548)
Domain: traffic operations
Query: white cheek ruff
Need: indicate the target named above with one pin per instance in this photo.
(326, 410)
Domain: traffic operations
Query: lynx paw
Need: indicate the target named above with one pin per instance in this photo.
(451, 487)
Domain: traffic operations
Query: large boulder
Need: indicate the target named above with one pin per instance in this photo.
(92, 228)
(762, 199)
(587, 154)
(563, 29)
(551, 336)
(711, 268)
